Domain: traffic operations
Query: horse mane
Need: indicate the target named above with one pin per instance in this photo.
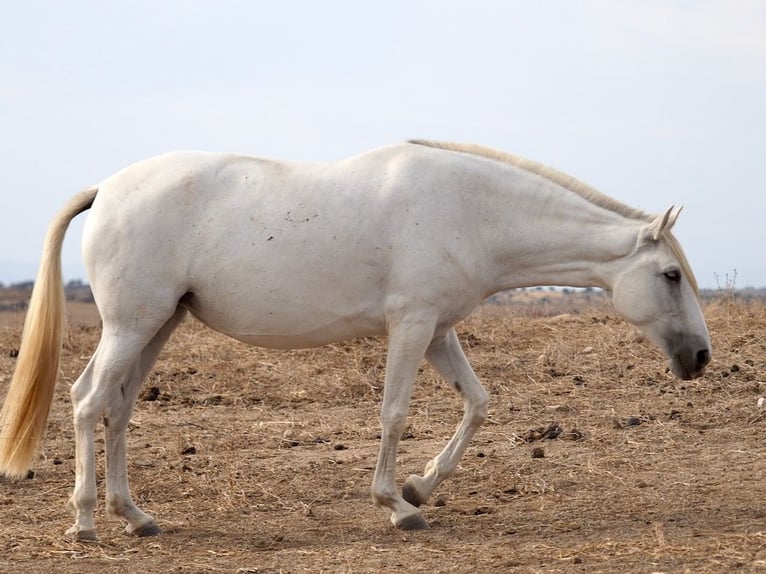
(572, 184)
(566, 181)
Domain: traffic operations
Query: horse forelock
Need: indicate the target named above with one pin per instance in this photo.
(678, 253)
(559, 178)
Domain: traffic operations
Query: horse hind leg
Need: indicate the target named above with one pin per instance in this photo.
(110, 379)
(117, 415)
(83, 499)
(109, 368)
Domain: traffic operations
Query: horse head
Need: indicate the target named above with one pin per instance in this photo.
(656, 291)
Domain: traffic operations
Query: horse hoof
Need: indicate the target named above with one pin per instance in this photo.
(413, 522)
(148, 529)
(81, 535)
(411, 495)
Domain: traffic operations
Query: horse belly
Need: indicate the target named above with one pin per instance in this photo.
(288, 319)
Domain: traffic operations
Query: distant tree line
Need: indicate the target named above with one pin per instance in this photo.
(74, 290)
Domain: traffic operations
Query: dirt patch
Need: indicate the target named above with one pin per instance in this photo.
(594, 459)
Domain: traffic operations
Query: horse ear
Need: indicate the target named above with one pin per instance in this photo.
(662, 224)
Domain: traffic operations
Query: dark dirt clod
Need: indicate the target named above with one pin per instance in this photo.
(572, 434)
(552, 431)
(150, 394)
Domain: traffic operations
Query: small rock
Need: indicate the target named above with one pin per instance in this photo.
(761, 402)
(633, 421)
(189, 450)
(538, 452)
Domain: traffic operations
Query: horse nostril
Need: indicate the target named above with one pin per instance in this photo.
(703, 357)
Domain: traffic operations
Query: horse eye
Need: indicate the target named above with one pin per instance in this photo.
(673, 275)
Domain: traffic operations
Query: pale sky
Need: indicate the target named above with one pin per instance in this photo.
(654, 102)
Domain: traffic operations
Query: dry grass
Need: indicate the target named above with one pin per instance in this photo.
(261, 461)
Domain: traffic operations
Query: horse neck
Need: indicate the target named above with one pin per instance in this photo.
(559, 240)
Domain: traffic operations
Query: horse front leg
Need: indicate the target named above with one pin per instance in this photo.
(407, 345)
(446, 356)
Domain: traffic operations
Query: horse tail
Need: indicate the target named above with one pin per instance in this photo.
(27, 404)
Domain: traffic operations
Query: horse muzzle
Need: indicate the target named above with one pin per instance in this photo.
(690, 363)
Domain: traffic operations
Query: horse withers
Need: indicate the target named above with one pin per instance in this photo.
(405, 240)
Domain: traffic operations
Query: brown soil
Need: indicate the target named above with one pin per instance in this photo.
(595, 459)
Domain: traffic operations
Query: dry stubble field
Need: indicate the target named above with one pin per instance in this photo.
(261, 461)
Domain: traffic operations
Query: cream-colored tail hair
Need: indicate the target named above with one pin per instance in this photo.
(26, 407)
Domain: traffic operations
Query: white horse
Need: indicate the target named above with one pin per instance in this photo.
(404, 240)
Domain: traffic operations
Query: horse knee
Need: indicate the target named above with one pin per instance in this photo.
(478, 408)
(393, 420)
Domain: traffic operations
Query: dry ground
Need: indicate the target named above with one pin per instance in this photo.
(261, 461)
